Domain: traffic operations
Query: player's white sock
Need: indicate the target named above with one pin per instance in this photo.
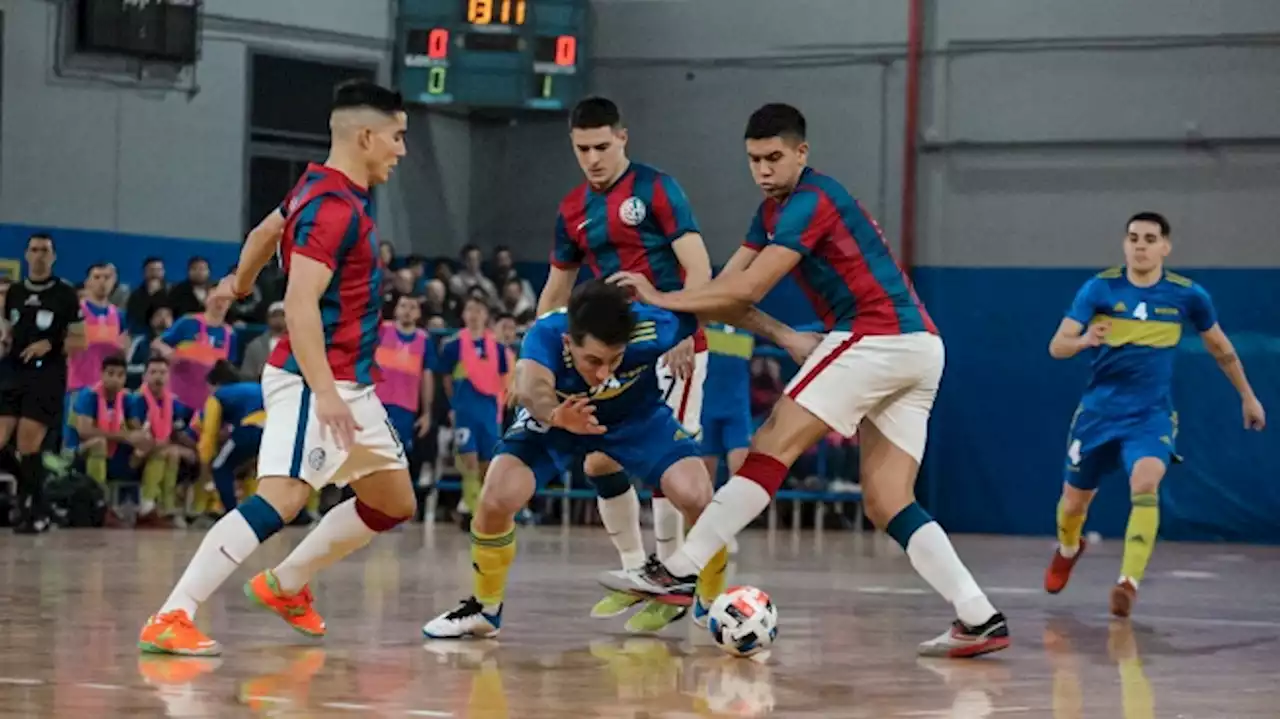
(229, 542)
(341, 532)
(668, 527)
(621, 518)
(936, 561)
(734, 506)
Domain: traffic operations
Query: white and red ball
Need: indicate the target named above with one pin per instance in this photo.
(743, 621)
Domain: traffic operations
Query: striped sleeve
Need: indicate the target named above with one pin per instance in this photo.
(322, 225)
(566, 254)
(671, 208)
(803, 222)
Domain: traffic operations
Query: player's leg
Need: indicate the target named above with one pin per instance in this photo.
(39, 408)
(508, 487)
(1145, 456)
(619, 508)
(684, 397)
(736, 440)
(1085, 466)
(223, 470)
(377, 469)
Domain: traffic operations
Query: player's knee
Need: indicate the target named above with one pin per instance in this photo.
(286, 495)
(390, 513)
(613, 484)
(597, 465)
(689, 492)
(1146, 476)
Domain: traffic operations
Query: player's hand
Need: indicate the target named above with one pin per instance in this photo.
(800, 345)
(141, 441)
(336, 420)
(224, 290)
(639, 284)
(680, 359)
(422, 424)
(1096, 335)
(576, 415)
(1255, 417)
(36, 349)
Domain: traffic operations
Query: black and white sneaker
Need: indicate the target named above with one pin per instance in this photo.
(653, 580)
(963, 640)
(468, 620)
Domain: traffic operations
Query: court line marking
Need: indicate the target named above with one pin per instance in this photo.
(426, 713)
(91, 685)
(951, 712)
(1251, 623)
(1192, 574)
(21, 681)
(345, 705)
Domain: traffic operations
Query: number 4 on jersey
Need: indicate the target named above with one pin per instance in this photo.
(1140, 312)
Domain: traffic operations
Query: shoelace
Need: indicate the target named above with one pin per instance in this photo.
(470, 606)
(298, 604)
(179, 618)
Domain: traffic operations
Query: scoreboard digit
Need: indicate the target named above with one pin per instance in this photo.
(498, 54)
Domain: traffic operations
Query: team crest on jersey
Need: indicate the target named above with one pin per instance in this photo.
(316, 458)
(632, 212)
(44, 319)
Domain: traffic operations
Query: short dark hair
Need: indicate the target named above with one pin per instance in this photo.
(223, 372)
(157, 359)
(467, 249)
(501, 248)
(593, 112)
(776, 120)
(504, 316)
(352, 94)
(477, 296)
(151, 259)
(195, 259)
(41, 236)
(601, 310)
(1156, 217)
(114, 360)
(95, 266)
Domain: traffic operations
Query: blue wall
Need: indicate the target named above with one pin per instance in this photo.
(999, 430)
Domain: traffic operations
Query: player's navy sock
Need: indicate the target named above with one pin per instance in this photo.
(346, 528)
(668, 527)
(935, 560)
(31, 484)
(229, 542)
(619, 507)
(734, 506)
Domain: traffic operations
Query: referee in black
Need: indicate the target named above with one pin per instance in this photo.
(42, 319)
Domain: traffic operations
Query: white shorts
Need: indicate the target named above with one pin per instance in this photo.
(291, 438)
(684, 397)
(891, 380)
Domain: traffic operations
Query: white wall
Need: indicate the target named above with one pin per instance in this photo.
(85, 154)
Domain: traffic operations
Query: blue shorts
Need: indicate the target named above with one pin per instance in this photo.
(1099, 445)
(402, 422)
(645, 447)
(476, 436)
(239, 449)
(722, 435)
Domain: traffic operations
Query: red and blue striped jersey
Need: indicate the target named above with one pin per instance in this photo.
(626, 228)
(846, 268)
(329, 218)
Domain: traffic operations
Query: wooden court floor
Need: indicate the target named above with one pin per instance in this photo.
(1204, 642)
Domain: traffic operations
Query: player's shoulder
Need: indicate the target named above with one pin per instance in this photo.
(1111, 273)
(645, 172)
(555, 322)
(817, 183)
(576, 197)
(1178, 280)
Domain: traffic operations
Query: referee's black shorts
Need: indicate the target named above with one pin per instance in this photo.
(34, 394)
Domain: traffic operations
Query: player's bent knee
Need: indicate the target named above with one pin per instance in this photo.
(1146, 475)
(608, 486)
(508, 486)
(789, 431)
(598, 464)
(686, 485)
(286, 495)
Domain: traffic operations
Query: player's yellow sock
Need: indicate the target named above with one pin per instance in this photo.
(169, 486)
(1140, 535)
(95, 465)
(711, 579)
(471, 490)
(491, 557)
(1135, 690)
(1069, 527)
(203, 497)
(487, 696)
(313, 503)
(153, 471)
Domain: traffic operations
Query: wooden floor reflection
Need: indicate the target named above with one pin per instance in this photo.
(1203, 642)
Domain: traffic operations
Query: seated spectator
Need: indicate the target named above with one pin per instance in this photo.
(766, 385)
(159, 321)
(387, 253)
(401, 286)
(514, 301)
(470, 277)
(187, 297)
(259, 350)
(504, 270)
(439, 302)
(117, 293)
(152, 293)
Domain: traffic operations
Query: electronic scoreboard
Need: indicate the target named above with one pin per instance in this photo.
(514, 54)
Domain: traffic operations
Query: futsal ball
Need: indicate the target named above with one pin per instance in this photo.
(743, 621)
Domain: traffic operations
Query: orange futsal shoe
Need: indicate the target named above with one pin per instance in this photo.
(174, 633)
(1059, 571)
(295, 609)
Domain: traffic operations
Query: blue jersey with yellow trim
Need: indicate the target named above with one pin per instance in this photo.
(632, 391)
(728, 369)
(1133, 369)
(232, 405)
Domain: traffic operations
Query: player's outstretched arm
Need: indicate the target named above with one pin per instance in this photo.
(260, 244)
(726, 297)
(555, 293)
(1071, 338)
(1219, 345)
(536, 387)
